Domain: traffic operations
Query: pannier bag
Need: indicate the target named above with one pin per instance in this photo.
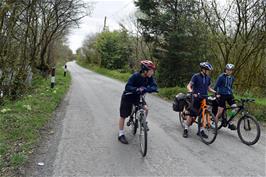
(179, 102)
(213, 102)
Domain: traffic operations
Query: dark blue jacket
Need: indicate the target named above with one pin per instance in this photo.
(200, 84)
(136, 81)
(224, 84)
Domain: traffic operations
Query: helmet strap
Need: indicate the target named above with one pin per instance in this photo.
(203, 71)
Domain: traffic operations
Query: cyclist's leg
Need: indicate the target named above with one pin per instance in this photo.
(125, 111)
(193, 112)
(231, 101)
(221, 106)
(146, 108)
(121, 126)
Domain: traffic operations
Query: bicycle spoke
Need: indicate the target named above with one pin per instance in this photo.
(143, 135)
(210, 129)
(248, 130)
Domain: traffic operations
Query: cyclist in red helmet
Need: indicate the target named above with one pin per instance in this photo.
(139, 83)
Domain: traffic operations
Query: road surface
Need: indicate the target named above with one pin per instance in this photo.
(84, 141)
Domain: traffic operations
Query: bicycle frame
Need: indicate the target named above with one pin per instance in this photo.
(204, 108)
(241, 109)
(202, 112)
(139, 105)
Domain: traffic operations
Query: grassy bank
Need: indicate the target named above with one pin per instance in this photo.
(21, 121)
(110, 73)
(258, 109)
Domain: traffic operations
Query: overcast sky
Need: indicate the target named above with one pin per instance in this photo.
(114, 10)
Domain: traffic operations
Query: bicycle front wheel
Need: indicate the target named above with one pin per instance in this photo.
(209, 126)
(248, 130)
(143, 136)
(134, 126)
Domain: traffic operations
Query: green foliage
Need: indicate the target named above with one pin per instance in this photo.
(171, 92)
(114, 49)
(237, 39)
(21, 120)
(117, 74)
(178, 31)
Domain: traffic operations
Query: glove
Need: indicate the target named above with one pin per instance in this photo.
(138, 91)
(141, 90)
(145, 90)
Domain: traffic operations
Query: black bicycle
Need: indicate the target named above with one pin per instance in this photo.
(248, 128)
(205, 118)
(137, 120)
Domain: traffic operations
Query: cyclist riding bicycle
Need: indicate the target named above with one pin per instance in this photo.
(199, 87)
(224, 88)
(139, 83)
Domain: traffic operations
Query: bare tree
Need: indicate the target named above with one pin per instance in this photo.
(29, 30)
(239, 37)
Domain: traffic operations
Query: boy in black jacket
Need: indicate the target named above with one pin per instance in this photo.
(139, 83)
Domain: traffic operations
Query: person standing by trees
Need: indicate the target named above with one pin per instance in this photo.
(224, 88)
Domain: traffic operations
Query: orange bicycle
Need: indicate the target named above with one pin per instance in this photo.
(205, 118)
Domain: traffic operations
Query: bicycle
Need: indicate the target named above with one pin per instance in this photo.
(245, 124)
(205, 118)
(137, 120)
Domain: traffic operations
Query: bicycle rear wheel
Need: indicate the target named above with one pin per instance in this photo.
(248, 130)
(182, 119)
(210, 128)
(143, 136)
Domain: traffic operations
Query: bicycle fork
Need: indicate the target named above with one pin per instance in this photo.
(205, 119)
(247, 125)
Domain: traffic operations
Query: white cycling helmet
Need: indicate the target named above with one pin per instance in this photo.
(230, 66)
(206, 65)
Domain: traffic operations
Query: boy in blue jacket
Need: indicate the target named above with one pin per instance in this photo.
(139, 83)
(224, 89)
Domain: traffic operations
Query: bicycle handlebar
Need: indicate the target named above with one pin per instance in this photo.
(131, 93)
(200, 95)
(246, 100)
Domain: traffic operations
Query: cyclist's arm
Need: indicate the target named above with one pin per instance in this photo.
(152, 87)
(130, 85)
(189, 87)
(218, 83)
(233, 84)
(211, 90)
(191, 83)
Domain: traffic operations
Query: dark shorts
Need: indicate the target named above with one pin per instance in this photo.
(226, 98)
(126, 106)
(195, 107)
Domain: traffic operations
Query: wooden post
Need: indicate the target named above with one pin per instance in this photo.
(53, 77)
(65, 70)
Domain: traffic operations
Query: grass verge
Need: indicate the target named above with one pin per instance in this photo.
(122, 76)
(21, 121)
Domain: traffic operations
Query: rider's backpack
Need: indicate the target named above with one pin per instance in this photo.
(179, 102)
